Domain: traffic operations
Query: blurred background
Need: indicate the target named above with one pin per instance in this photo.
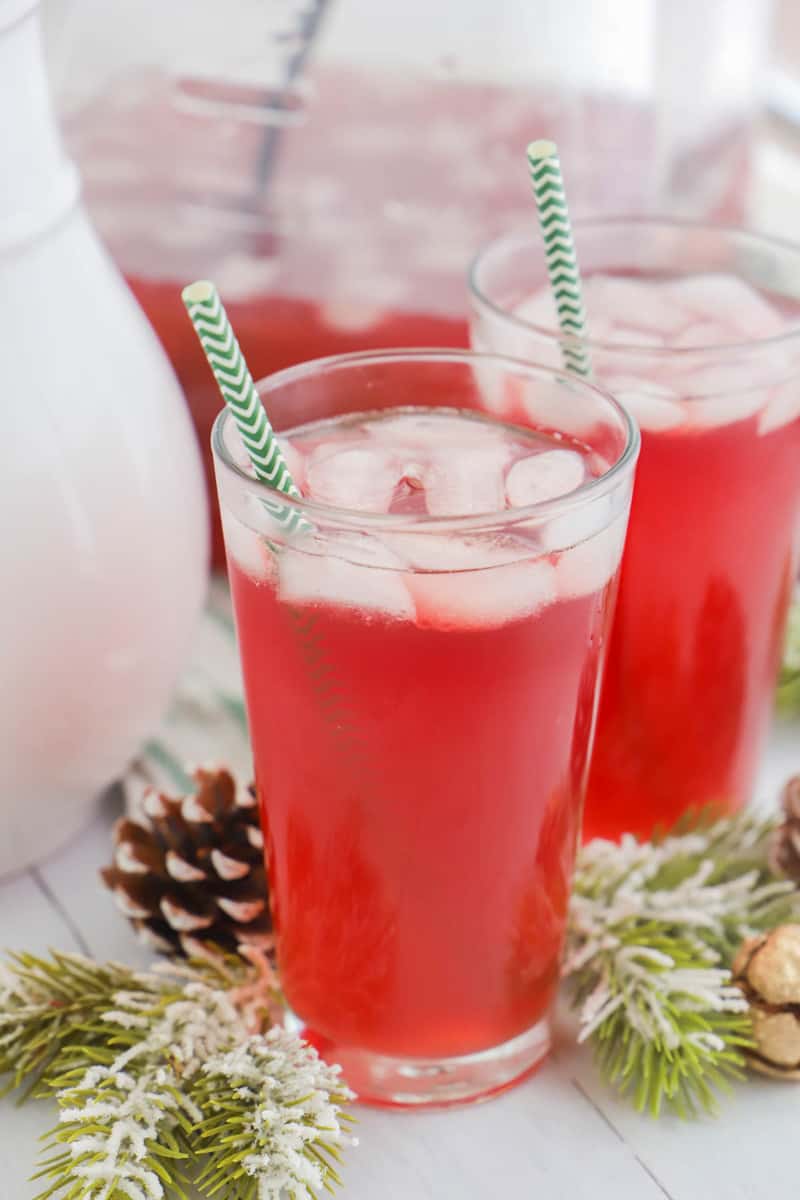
(333, 164)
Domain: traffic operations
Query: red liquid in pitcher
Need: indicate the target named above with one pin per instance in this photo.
(421, 738)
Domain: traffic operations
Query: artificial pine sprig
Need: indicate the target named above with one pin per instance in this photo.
(290, 1129)
(49, 1011)
(653, 930)
(137, 1063)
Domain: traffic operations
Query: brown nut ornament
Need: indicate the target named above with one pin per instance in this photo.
(767, 969)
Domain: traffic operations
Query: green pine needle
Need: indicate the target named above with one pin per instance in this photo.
(161, 1085)
(653, 930)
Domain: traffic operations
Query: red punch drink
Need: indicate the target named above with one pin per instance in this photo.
(710, 367)
(421, 672)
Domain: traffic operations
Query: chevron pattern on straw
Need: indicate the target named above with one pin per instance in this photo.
(235, 382)
(562, 263)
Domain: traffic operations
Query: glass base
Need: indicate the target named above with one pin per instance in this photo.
(436, 1083)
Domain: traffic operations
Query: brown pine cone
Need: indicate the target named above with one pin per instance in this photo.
(785, 850)
(192, 869)
(767, 969)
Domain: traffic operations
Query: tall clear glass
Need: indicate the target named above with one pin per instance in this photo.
(697, 331)
(421, 693)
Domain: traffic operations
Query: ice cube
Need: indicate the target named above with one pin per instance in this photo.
(727, 378)
(728, 300)
(466, 480)
(361, 477)
(493, 385)
(783, 407)
(431, 551)
(623, 335)
(431, 428)
(589, 566)
(363, 549)
(325, 578)
(239, 276)
(703, 333)
(654, 407)
(539, 309)
(295, 461)
(578, 525)
(489, 597)
(246, 548)
(347, 316)
(516, 340)
(544, 476)
(558, 406)
(637, 304)
(724, 410)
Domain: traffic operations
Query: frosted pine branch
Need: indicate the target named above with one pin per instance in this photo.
(290, 1137)
(653, 928)
(152, 1072)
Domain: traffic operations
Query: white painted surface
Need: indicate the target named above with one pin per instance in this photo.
(560, 1136)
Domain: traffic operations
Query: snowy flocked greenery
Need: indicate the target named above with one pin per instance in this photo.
(653, 930)
(161, 1083)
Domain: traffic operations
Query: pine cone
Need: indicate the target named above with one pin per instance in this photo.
(193, 869)
(767, 969)
(785, 850)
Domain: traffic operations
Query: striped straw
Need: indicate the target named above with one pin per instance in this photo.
(213, 328)
(559, 248)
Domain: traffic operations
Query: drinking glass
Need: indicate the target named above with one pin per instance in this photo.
(712, 551)
(421, 693)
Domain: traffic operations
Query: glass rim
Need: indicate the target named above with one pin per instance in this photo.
(520, 237)
(592, 489)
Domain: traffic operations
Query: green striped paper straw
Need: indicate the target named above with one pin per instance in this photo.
(559, 248)
(213, 328)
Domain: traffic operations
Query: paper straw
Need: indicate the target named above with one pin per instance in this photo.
(213, 328)
(559, 248)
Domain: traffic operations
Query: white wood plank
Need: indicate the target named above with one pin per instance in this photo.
(541, 1140)
(748, 1152)
(73, 877)
(29, 920)
(20, 1130)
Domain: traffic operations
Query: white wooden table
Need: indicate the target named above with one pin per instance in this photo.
(559, 1136)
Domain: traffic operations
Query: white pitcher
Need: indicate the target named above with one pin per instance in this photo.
(103, 522)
